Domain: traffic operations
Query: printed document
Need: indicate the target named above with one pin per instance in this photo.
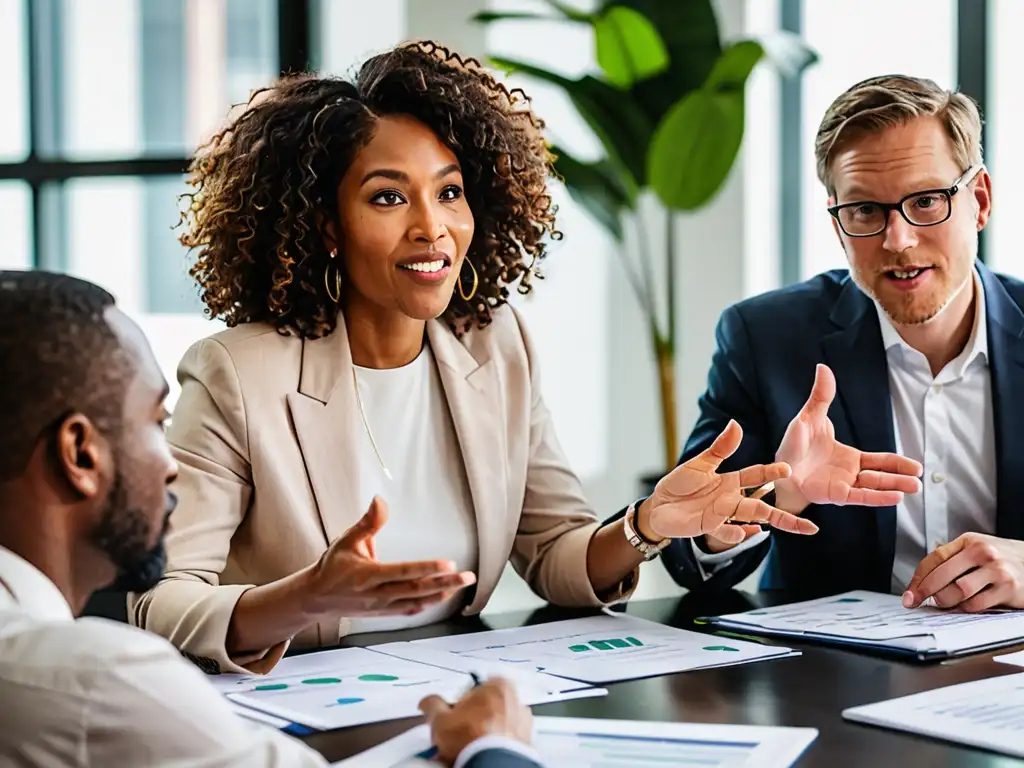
(875, 619)
(598, 743)
(599, 649)
(985, 713)
(354, 686)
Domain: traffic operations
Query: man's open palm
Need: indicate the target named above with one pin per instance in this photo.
(825, 471)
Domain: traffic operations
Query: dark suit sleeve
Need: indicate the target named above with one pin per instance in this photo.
(732, 393)
(500, 758)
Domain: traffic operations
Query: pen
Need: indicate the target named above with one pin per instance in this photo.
(476, 679)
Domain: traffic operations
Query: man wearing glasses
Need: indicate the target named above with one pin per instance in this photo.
(925, 349)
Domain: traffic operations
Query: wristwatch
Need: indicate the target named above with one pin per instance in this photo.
(649, 549)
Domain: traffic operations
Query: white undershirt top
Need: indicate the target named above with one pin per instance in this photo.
(429, 504)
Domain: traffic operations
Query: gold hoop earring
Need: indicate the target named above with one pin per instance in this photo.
(332, 267)
(476, 283)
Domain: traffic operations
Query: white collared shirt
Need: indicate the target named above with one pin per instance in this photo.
(946, 423)
(93, 692)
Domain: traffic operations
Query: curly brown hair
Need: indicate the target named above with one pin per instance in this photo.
(265, 184)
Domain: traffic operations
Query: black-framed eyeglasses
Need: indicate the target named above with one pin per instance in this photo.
(926, 208)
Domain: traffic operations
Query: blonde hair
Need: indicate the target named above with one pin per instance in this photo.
(892, 100)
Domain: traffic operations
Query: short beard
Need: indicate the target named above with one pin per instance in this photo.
(942, 308)
(968, 278)
(123, 534)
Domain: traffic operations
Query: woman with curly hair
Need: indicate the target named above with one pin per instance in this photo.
(360, 239)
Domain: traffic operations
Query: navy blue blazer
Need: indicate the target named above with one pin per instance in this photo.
(500, 758)
(761, 375)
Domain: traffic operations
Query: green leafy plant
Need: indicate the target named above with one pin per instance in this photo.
(668, 109)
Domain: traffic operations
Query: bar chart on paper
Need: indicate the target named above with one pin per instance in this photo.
(599, 649)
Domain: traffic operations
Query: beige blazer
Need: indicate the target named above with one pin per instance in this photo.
(263, 434)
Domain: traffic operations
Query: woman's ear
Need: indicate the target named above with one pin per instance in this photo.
(328, 232)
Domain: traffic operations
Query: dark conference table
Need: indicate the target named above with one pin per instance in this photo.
(808, 690)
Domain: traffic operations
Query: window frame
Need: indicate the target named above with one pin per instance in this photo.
(41, 172)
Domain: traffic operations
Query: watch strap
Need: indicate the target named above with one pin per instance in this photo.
(649, 549)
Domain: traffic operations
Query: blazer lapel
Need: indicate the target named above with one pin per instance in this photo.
(857, 357)
(324, 413)
(472, 389)
(1006, 364)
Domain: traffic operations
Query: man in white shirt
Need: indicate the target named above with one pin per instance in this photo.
(926, 346)
(84, 469)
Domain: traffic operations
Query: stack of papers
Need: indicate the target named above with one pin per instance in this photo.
(590, 743)
(874, 620)
(985, 713)
(547, 663)
(601, 649)
(355, 686)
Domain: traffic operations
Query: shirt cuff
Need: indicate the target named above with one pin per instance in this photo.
(709, 562)
(495, 742)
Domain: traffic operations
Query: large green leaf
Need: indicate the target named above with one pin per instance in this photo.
(689, 30)
(595, 186)
(620, 124)
(695, 147)
(785, 50)
(628, 45)
(734, 66)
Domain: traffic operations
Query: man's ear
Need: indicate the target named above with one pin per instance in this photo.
(81, 454)
(982, 189)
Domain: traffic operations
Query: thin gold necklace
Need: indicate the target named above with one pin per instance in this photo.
(366, 425)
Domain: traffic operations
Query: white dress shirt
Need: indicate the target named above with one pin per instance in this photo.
(430, 509)
(946, 423)
(93, 692)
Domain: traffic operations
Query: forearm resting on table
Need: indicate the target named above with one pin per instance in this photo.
(267, 615)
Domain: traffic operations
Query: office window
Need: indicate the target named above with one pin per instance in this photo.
(874, 37)
(760, 161)
(122, 91)
(13, 88)
(161, 81)
(1005, 121)
(15, 225)
(118, 232)
(345, 33)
